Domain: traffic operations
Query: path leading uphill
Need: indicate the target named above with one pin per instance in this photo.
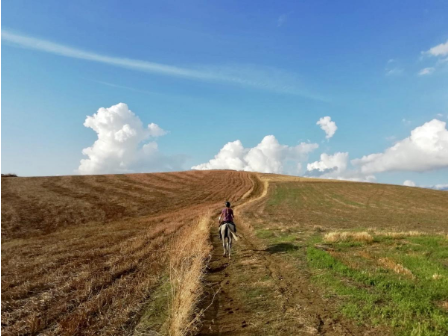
(259, 293)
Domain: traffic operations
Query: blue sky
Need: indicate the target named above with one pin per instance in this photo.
(211, 73)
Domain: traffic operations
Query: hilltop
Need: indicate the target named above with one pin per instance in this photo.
(113, 254)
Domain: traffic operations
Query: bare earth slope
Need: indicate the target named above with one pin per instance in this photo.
(81, 254)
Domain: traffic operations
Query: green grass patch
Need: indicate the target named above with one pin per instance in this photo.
(155, 314)
(373, 293)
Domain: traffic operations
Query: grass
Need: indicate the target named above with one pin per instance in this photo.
(403, 286)
(393, 275)
(351, 205)
(155, 314)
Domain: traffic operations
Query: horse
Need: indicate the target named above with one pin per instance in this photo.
(226, 231)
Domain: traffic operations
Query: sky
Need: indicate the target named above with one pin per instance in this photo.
(346, 90)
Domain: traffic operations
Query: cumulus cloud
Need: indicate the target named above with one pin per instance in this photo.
(328, 126)
(336, 162)
(425, 149)
(426, 71)
(336, 167)
(155, 130)
(269, 156)
(409, 183)
(122, 145)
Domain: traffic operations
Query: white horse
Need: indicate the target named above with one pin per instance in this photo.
(227, 235)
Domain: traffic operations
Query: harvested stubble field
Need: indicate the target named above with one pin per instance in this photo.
(83, 254)
(107, 255)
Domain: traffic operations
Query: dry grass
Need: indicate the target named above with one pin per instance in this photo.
(437, 276)
(444, 305)
(82, 255)
(399, 234)
(334, 237)
(187, 264)
(397, 268)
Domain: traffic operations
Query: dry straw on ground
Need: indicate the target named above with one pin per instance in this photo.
(399, 234)
(187, 265)
(397, 268)
(333, 237)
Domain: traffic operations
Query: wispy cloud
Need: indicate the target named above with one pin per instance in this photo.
(393, 68)
(275, 83)
(394, 72)
(426, 71)
(440, 52)
(406, 121)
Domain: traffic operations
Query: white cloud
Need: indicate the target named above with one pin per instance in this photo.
(121, 147)
(425, 149)
(328, 126)
(155, 130)
(336, 162)
(438, 50)
(269, 156)
(260, 78)
(440, 186)
(336, 167)
(394, 71)
(409, 183)
(443, 187)
(426, 71)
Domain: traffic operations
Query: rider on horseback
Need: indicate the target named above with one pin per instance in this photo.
(226, 217)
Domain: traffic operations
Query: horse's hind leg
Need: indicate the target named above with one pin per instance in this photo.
(229, 245)
(224, 245)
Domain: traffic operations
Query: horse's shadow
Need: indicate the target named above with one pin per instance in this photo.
(217, 269)
(281, 248)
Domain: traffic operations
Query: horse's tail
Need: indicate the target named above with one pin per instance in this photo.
(234, 236)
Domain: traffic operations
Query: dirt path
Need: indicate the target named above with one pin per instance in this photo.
(258, 292)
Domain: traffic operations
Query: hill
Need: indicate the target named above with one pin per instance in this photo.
(124, 254)
(81, 254)
(334, 258)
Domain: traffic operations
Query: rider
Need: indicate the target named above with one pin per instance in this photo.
(226, 217)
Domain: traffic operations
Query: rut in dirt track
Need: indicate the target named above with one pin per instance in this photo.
(257, 293)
